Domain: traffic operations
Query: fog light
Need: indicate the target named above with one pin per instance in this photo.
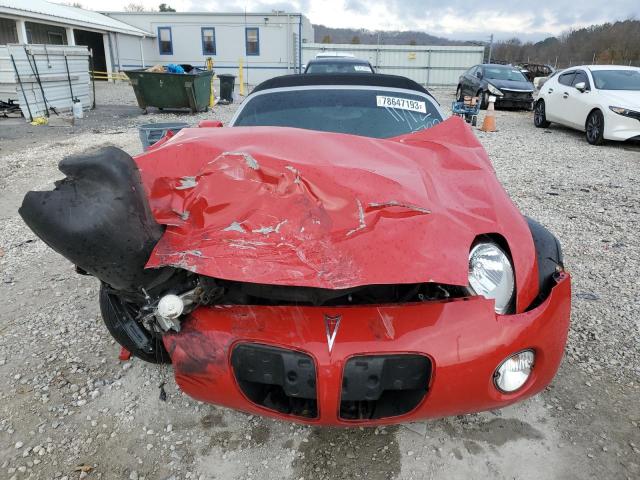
(514, 371)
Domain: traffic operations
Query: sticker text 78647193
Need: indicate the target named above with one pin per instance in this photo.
(401, 103)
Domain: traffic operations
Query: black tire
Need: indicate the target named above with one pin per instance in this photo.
(113, 309)
(459, 94)
(594, 128)
(540, 115)
(483, 98)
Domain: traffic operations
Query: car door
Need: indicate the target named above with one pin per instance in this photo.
(578, 103)
(554, 101)
(475, 83)
(466, 80)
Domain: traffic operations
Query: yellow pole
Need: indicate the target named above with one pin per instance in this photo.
(212, 96)
(241, 77)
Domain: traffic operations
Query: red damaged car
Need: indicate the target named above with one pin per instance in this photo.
(341, 255)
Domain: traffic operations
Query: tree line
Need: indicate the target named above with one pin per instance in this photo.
(608, 43)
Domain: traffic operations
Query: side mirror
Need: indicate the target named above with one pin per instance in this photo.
(581, 86)
(479, 74)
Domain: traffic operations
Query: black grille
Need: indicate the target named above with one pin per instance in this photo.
(276, 378)
(381, 386)
(509, 95)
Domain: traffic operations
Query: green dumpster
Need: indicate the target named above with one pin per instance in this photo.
(172, 90)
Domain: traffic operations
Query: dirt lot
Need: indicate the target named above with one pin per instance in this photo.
(66, 400)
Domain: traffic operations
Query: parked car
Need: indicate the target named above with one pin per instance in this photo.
(505, 82)
(539, 82)
(535, 70)
(338, 65)
(601, 100)
(341, 255)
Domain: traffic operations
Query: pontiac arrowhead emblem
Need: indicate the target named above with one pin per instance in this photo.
(331, 322)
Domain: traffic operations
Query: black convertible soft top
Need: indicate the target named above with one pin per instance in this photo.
(365, 79)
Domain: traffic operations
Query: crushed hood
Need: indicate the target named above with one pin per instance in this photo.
(288, 206)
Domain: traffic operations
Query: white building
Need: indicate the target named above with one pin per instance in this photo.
(41, 22)
(268, 44)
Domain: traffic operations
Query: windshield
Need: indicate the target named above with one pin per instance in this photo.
(503, 73)
(338, 67)
(377, 113)
(616, 79)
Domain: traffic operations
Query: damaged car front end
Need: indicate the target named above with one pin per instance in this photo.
(331, 277)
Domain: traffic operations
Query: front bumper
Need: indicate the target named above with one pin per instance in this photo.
(463, 338)
(620, 128)
(515, 99)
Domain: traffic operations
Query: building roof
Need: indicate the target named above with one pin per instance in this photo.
(77, 17)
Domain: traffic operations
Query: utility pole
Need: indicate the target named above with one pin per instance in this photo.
(490, 47)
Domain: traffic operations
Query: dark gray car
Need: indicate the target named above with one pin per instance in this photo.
(510, 87)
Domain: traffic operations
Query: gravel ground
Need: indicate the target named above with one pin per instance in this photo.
(69, 409)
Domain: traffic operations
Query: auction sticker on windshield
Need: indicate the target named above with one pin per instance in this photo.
(401, 103)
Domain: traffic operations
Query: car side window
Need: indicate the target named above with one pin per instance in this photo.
(581, 76)
(567, 78)
(472, 71)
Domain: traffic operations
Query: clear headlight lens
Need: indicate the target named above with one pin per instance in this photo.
(514, 371)
(491, 275)
(625, 112)
(493, 90)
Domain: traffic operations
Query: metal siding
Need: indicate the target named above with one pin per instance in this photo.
(53, 75)
(427, 65)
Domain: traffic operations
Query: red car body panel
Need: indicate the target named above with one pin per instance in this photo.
(286, 206)
(464, 338)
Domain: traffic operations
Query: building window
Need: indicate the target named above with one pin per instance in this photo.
(165, 41)
(208, 41)
(252, 40)
(55, 38)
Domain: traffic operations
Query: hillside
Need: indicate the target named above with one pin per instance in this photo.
(617, 43)
(352, 35)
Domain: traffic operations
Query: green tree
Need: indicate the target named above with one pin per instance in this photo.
(355, 40)
(166, 8)
(326, 39)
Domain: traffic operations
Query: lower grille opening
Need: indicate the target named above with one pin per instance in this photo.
(382, 386)
(276, 378)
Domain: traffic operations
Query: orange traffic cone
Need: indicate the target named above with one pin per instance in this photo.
(489, 122)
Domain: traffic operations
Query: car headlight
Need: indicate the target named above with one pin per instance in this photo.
(491, 275)
(493, 90)
(513, 373)
(625, 112)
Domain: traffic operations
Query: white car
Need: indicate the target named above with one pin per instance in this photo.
(601, 100)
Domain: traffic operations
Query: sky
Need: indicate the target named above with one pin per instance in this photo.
(454, 19)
